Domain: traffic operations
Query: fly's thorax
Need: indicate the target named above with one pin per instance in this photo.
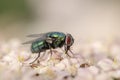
(56, 39)
(56, 35)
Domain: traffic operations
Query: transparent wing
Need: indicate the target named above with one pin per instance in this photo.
(28, 42)
(39, 35)
(42, 36)
(31, 41)
(36, 35)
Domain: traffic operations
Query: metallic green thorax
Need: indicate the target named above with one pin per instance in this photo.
(59, 39)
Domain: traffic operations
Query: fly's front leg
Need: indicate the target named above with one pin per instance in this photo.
(41, 56)
(72, 52)
(66, 51)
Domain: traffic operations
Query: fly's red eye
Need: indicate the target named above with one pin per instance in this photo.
(68, 40)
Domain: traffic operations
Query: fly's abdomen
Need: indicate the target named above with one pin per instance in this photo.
(38, 46)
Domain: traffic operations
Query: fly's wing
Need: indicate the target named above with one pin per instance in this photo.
(49, 40)
(31, 41)
(39, 35)
(28, 42)
(36, 35)
(42, 36)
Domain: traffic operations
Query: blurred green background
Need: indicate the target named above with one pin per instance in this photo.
(84, 19)
(13, 16)
(14, 9)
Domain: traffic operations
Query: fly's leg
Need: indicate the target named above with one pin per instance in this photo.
(43, 55)
(50, 50)
(72, 53)
(36, 58)
(57, 54)
(66, 51)
(74, 56)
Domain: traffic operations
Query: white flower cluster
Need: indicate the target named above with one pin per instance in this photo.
(92, 61)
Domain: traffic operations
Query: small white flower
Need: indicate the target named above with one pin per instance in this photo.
(105, 64)
(94, 70)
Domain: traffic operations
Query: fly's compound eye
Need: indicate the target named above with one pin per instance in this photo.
(69, 40)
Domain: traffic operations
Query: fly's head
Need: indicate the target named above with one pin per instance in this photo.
(69, 40)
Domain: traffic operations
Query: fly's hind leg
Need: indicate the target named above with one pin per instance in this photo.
(50, 51)
(36, 58)
(41, 58)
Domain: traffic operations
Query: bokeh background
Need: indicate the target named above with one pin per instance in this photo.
(84, 19)
(94, 24)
